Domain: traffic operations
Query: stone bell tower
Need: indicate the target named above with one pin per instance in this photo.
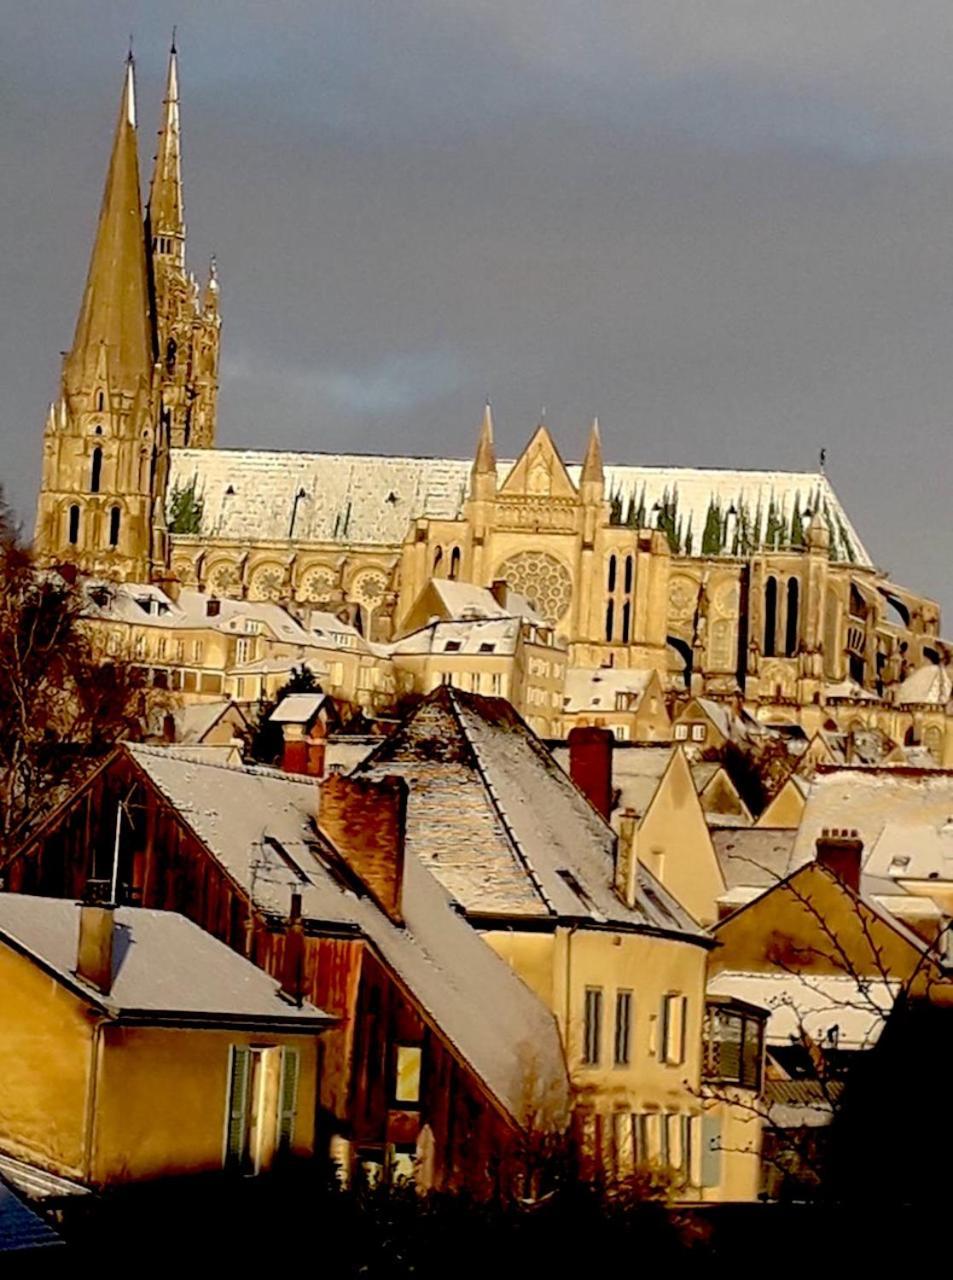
(105, 451)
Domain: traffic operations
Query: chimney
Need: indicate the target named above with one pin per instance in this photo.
(590, 765)
(626, 856)
(94, 952)
(499, 591)
(213, 607)
(841, 851)
(303, 752)
(365, 819)
(292, 966)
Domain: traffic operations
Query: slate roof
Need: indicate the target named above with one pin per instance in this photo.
(462, 600)
(637, 770)
(22, 1230)
(487, 636)
(871, 799)
(258, 824)
(756, 857)
(371, 499)
(297, 708)
(163, 964)
(589, 688)
(503, 827)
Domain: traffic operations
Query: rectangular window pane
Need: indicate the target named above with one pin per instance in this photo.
(592, 1026)
(623, 1027)
(407, 1080)
(751, 1054)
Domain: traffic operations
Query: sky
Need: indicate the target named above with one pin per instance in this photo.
(725, 228)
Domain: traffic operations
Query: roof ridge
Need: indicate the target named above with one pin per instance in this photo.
(176, 751)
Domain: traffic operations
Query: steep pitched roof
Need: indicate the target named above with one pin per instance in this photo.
(164, 966)
(22, 1230)
(259, 825)
(503, 827)
(166, 211)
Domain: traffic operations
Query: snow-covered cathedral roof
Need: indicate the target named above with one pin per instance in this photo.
(370, 499)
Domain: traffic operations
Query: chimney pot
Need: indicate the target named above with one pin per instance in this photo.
(499, 591)
(590, 765)
(841, 852)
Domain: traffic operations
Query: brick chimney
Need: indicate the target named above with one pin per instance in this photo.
(499, 591)
(365, 819)
(292, 966)
(590, 765)
(303, 752)
(94, 952)
(841, 851)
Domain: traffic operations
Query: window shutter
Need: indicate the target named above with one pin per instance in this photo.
(237, 1106)
(289, 1098)
(711, 1151)
(682, 1019)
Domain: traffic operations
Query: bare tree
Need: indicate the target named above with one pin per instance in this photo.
(61, 702)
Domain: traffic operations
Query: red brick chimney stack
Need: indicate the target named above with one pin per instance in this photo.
(590, 765)
(365, 819)
(841, 852)
(303, 753)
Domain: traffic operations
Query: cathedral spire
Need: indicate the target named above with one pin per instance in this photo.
(485, 460)
(592, 463)
(166, 207)
(114, 315)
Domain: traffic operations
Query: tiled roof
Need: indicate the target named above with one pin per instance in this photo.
(503, 827)
(163, 964)
(371, 499)
(22, 1230)
(259, 824)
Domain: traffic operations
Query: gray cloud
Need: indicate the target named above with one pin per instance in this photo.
(723, 228)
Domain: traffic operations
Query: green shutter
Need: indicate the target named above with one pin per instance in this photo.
(289, 1098)
(711, 1151)
(237, 1106)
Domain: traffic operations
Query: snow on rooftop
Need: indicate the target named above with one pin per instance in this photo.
(371, 498)
(830, 1007)
(162, 962)
(589, 688)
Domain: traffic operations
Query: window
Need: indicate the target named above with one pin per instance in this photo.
(262, 1104)
(791, 621)
(139, 646)
(621, 732)
(100, 401)
(96, 470)
(197, 650)
(698, 733)
(496, 683)
(734, 1047)
(242, 650)
(454, 563)
(453, 646)
(73, 525)
(592, 1027)
(115, 515)
(161, 646)
(681, 732)
(671, 1144)
(688, 1148)
(674, 1007)
(180, 650)
(623, 1028)
(770, 616)
(407, 1075)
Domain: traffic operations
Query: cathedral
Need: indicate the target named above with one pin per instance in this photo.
(746, 585)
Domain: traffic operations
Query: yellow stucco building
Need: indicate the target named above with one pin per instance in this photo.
(134, 1046)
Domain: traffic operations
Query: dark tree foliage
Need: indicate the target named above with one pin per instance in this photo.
(264, 739)
(61, 705)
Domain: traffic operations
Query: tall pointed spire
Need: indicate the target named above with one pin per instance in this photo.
(114, 314)
(592, 463)
(166, 207)
(485, 460)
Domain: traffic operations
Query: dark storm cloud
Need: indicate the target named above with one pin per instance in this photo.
(724, 227)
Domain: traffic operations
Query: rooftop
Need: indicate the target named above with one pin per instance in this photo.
(164, 966)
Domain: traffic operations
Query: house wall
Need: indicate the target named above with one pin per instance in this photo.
(163, 1095)
(45, 1067)
(784, 811)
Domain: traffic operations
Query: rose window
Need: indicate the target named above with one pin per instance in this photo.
(225, 580)
(267, 583)
(318, 585)
(541, 579)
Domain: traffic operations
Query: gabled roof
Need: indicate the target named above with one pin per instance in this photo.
(259, 826)
(503, 827)
(637, 770)
(164, 967)
(298, 708)
(755, 857)
(929, 685)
